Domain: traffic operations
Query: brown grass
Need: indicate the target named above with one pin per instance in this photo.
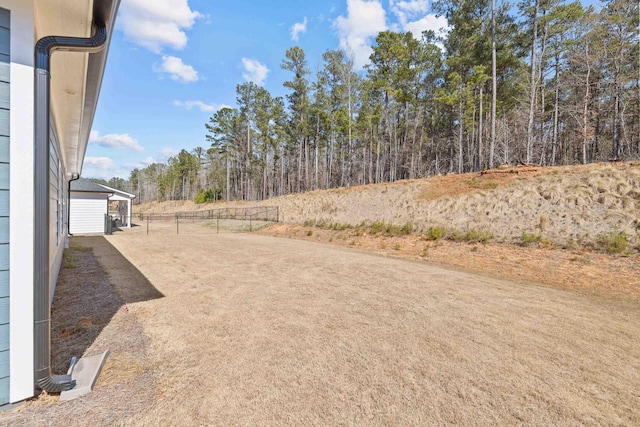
(255, 330)
(577, 269)
(90, 314)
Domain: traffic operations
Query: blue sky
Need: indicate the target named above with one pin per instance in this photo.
(173, 63)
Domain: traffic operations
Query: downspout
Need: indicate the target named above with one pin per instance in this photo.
(74, 177)
(42, 309)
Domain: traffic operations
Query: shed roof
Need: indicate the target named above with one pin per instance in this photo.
(87, 186)
(122, 194)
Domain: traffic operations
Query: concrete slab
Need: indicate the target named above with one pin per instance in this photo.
(11, 406)
(85, 372)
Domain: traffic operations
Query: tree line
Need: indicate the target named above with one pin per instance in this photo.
(547, 82)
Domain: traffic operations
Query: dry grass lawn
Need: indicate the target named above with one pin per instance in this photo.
(585, 271)
(237, 329)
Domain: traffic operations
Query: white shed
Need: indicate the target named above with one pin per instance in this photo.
(88, 206)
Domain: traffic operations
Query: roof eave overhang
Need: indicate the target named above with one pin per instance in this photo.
(105, 11)
(76, 77)
(120, 192)
(119, 198)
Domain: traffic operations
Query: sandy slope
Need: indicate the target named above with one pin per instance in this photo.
(576, 204)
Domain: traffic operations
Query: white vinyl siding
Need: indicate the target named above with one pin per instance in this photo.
(56, 217)
(54, 194)
(87, 212)
(5, 104)
(21, 199)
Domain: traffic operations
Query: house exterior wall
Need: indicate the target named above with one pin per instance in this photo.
(57, 208)
(17, 41)
(5, 111)
(21, 380)
(87, 212)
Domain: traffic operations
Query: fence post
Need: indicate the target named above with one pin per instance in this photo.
(250, 226)
(218, 225)
(147, 226)
(177, 226)
(277, 213)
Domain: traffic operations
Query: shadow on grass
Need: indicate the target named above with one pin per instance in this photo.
(95, 282)
(119, 229)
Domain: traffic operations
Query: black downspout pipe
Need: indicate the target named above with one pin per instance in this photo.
(42, 308)
(74, 177)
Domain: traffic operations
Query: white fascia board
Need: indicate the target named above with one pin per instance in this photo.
(21, 200)
(119, 192)
(118, 198)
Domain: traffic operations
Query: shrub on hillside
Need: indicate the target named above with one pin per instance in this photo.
(436, 233)
(407, 228)
(530, 238)
(614, 242)
(207, 196)
(390, 229)
(475, 236)
(378, 227)
(471, 236)
(339, 227)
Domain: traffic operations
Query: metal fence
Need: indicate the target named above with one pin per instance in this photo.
(213, 220)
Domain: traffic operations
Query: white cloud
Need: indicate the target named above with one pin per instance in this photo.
(157, 24)
(205, 108)
(177, 70)
(364, 20)
(102, 163)
(168, 152)
(254, 71)
(438, 24)
(406, 10)
(298, 28)
(118, 141)
(413, 16)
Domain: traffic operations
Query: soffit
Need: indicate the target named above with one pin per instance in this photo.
(68, 72)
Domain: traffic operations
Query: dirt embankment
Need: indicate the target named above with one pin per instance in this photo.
(565, 206)
(550, 219)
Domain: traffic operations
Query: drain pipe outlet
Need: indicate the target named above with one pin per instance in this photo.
(42, 309)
